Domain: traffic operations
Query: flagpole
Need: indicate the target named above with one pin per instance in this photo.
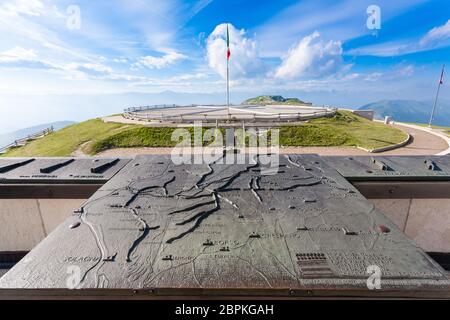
(228, 88)
(228, 72)
(437, 95)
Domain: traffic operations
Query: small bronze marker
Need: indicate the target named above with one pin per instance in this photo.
(110, 258)
(75, 225)
(348, 232)
(383, 229)
(208, 242)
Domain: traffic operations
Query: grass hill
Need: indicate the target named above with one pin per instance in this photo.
(411, 111)
(67, 140)
(267, 100)
(10, 137)
(94, 136)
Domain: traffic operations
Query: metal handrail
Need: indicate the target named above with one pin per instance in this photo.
(136, 113)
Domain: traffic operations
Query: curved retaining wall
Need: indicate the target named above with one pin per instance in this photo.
(391, 147)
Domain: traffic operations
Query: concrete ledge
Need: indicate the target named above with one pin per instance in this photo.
(26, 222)
(367, 114)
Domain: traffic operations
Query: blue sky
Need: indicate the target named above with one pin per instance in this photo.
(319, 50)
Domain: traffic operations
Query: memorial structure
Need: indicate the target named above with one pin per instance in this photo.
(265, 114)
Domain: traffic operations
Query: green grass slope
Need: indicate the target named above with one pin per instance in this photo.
(344, 129)
(67, 140)
(136, 137)
(94, 136)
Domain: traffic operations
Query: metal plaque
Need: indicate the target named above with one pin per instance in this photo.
(59, 170)
(391, 167)
(197, 229)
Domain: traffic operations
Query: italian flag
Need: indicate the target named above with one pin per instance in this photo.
(228, 44)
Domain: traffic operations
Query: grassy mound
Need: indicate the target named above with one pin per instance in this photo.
(94, 136)
(152, 137)
(136, 137)
(310, 135)
(67, 140)
(343, 129)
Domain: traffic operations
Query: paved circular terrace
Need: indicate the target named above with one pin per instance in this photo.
(214, 113)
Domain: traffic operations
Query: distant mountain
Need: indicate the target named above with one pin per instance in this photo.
(411, 111)
(30, 110)
(8, 138)
(265, 100)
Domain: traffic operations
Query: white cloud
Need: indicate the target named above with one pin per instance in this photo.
(95, 71)
(387, 49)
(17, 54)
(343, 20)
(120, 60)
(244, 61)
(183, 80)
(166, 60)
(436, 34)
(374, 76)
(437, 37)
(167, 18)
(36, 24)
(21, 58)
(26, 7)
(406, 71)
(311, 57)
(189, 76)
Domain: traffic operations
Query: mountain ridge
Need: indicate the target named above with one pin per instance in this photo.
(411, 111)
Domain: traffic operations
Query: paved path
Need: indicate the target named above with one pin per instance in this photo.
(423, 143)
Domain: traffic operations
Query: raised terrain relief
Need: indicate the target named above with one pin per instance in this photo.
(160, 225)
